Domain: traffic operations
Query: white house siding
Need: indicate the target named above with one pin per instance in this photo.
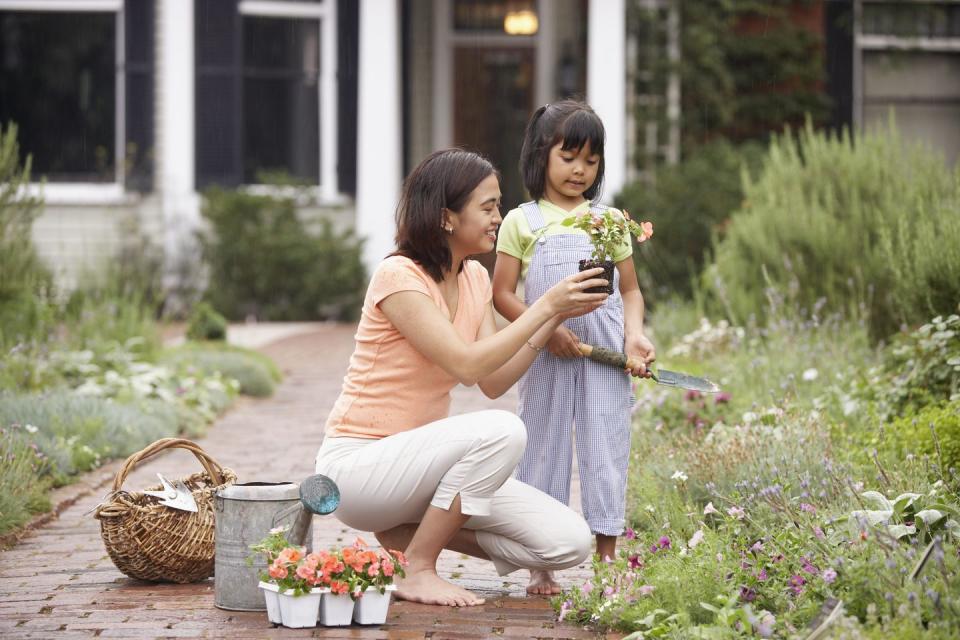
(922, 89)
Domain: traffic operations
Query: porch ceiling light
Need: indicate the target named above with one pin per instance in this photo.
(521, 23)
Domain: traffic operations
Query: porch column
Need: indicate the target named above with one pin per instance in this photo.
(607, 84)
(175, 130)
(379, 132)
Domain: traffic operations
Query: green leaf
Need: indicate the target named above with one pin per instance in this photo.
(901, 530)
(930, 517)
(877, 499)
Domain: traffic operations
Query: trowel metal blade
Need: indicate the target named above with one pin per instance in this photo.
(684, 381)
(320, 494)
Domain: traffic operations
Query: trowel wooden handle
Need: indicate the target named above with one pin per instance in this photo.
(608, 356)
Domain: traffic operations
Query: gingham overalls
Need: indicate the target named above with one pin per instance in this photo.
(557, 393)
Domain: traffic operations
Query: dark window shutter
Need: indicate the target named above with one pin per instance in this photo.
(139, 18)
(348, 44)
(218, 96)
(838, 35)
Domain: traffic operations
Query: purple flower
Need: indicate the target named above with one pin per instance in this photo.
(635, 562)
(817, 531)
(629, 534)
(809, 508)
(829, 575)
(663, 542)
(757, 547)
(721, 398)
(747, 594)
(691, 395)
(796, 583)
(762, 576)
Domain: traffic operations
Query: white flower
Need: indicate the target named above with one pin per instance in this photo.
(707, 510)
(749, 417)
(650, 508)
(30, 428)
(696, 539)
(679, 475)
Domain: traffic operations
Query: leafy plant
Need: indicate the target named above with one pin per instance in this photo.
(206, 324)
(608, 230)
(907, 515)
(265, 262)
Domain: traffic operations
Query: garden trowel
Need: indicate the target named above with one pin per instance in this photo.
(175, 495)
(661, 376)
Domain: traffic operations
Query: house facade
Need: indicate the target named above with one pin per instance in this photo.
(131, 108)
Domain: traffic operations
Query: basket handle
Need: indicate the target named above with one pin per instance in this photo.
(211, 466)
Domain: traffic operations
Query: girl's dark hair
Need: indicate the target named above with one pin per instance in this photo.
(443, 180)
(569, 121)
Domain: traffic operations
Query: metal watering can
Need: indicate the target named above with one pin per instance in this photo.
(245, 513)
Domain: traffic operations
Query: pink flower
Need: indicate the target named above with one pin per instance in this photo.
(646, 231)
(663, 542)
(630, 534)
(276, 570)
(388, 569)
(736, 512)
(586, 588)
(696, 539)
(306, 573)
(635, 562)
(707, 510)
(829, 575)
(809, 508)
(646, 589)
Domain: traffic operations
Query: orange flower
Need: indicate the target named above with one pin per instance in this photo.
(277, 570)
(290, 555)
(402, 559)
(349, 555)
(306, 573)
(313, 560)
(373, 569)
(339, 587)
(647, 231)
(388, 568)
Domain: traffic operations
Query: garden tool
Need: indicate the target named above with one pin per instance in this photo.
(318, 495)
(661, 376)
(175, 495)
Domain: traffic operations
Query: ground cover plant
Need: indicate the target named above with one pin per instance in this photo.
(753, 509)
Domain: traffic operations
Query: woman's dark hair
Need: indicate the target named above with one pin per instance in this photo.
(569, 121)
(443, 180)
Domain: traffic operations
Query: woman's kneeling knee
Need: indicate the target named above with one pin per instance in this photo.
(505, 428)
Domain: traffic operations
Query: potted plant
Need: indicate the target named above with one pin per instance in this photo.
(373, 575)
(607, 231)
(293, 583)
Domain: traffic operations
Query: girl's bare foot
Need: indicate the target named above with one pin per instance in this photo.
(428, 588)
(542, 583)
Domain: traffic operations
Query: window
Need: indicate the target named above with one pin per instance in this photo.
(281, 100)
(266, 93)
(76, 76)
(58, 82)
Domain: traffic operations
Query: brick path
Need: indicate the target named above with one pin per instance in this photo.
(58, 581)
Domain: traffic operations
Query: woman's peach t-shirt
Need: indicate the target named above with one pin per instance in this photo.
(390, 387)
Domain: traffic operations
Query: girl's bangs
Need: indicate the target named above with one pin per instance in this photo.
(580, 128)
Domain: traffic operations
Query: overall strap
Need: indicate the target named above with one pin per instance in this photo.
(531, 210)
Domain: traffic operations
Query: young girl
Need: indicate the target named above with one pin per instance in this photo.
(562, 167)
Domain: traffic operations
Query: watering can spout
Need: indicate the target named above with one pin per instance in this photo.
(318, 495)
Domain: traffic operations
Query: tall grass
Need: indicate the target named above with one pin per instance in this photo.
(871, 223)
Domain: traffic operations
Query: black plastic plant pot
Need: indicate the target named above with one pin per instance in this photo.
(607, 274)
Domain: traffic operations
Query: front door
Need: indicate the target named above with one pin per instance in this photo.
(493, 98)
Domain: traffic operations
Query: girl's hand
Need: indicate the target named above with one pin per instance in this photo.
(567, 298)
(563, 343)
(640, 353)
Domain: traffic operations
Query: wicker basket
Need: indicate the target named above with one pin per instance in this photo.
(153, 542)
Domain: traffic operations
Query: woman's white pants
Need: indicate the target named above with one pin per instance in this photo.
(391, 481)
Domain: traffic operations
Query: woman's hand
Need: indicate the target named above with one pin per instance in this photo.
(567, 298)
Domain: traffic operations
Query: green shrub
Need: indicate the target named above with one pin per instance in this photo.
(26, 285)
(206, 324)
(688, 204)
(870, 227)
(914, 434)
(22, 483)
(263, 261)
(254, 376)
(78, 432)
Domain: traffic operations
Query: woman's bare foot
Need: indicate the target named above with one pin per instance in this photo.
(429, 588)
(542, 584)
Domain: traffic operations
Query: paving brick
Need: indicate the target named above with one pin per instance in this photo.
(58, 581)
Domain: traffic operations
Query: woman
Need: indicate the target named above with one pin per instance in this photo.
(420, 480)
